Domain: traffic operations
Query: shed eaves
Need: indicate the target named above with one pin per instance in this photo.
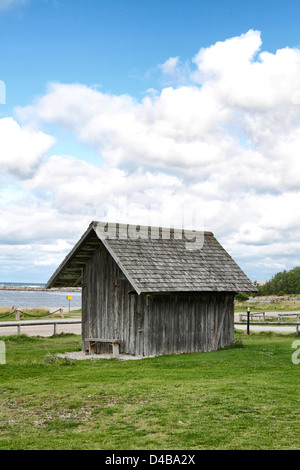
(174, 264)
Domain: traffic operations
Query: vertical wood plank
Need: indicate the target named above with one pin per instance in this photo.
(170, 323)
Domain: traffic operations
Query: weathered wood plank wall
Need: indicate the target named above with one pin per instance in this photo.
(108, 311)
(151, 324)
(188, 323)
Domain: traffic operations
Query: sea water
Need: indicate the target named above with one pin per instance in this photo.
(37, 299)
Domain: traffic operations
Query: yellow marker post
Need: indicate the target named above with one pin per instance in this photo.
(69, 299)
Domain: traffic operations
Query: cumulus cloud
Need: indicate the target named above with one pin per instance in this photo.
(74, 186)
(21, 148)
(241, 113)
(225, 140)
(172, 130)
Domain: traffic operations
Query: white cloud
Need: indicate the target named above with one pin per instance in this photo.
(74, 186)
(170, 66)
(226, 142)
(241, 113)
(21, 149)
(224, 57)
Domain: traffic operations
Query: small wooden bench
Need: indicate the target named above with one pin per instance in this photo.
(114, 342)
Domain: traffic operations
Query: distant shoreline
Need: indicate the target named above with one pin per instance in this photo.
(36, 288)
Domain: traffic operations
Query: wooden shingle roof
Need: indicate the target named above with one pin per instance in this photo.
(157, 260)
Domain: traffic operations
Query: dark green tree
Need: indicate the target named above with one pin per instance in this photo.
(283, 283)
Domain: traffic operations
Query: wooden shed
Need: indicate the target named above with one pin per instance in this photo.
(152, 290)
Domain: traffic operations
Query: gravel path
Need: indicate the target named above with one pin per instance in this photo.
(277, 329)
(40, 330)
(81, 356)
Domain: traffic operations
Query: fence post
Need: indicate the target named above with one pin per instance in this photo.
(62, 312)
(297, 326)
(17, 315)
(248, 320)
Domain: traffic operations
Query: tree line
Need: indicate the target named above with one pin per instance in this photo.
(283, 283)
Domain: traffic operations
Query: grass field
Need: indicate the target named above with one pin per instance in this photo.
(244, 397)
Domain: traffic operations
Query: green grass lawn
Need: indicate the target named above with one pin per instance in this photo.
(279, 306)
(239, 398)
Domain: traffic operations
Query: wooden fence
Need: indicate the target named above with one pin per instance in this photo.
(280, 316)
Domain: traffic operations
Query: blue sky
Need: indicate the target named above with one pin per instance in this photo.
(115, 43)
(110, 101)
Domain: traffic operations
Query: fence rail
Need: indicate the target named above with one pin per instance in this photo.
(242, 315)
(17, 313)
(20, 323)
(280, 321)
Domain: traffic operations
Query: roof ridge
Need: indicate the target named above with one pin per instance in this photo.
(147, 227)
